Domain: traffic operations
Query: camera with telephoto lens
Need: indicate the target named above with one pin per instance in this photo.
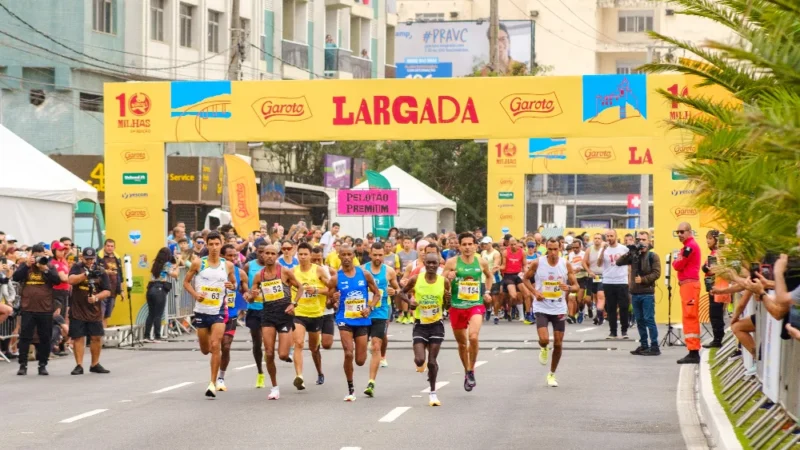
(42, 260)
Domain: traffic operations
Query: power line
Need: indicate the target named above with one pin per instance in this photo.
(554, 34)
(587, 23)
(285, 62)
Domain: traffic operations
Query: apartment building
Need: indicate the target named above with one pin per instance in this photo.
(579, 37)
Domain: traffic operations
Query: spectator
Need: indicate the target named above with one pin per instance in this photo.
(161, 271)
(111, 264)
(328, 239)
(199, 247)
(61, 290)
(60, 331)
(716, 303)
(90, 288)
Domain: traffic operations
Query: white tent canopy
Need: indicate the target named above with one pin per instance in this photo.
(420, 207)
(37, 195)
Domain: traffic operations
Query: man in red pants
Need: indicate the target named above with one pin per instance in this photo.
(687, 264)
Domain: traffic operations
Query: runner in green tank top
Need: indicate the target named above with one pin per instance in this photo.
(469, 295)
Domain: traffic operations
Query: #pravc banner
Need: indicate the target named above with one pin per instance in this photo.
(243, 196)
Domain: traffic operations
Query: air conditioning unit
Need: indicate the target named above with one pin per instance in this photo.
(534, 13)
(454, 14)
(670, 12)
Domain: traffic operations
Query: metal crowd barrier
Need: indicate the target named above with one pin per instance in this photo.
(7, 328)
(180, 307)
(773, 394)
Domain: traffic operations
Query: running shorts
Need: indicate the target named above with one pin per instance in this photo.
(511, 279)
(311, 324)
(253, 319)
(80, 328)
(328, 324)
(585, 283)
(230, 326)
(279, 320)
(357, 331)
(378, 328)
(459, 318)
(495, 288)
(559, 321)
(206, 320)
(429, 333)
(596, 287)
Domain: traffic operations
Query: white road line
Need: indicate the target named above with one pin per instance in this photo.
(509, 350)
(439, 385)
(84, 415)
(350, 448)
(416, 396)
(394, 414)
(176, 386)
(494, 348)
(480, 363)
(245, 367)
(389, 335)
(584, 330)
(125, 401)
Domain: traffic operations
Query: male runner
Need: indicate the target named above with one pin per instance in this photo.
(407, 256)
(288, 260)
(214, 275)
(513, 265)
(309, 312)
(255, 308)
(235, 301)
(595, 273)
(466, 314)
(386, 279)
(493, 258)
(551, 276)
(575, 301)
(348, 292)
(431, 295)
(328, 322)
(278, 316)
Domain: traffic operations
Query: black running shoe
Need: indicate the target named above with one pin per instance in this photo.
(320, 379)
(78, 370)
(43, 371)
(467, 386)
(23, 370)
(471, 378)
(98, 369)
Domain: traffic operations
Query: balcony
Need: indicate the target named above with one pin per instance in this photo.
(361, 67)
(339, 4)
(390, 71)
(627, 4)
(359, 9)
(295, 58)
(337, 63)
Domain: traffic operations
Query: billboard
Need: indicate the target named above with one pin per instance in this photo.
(337, 171)
(457, 49)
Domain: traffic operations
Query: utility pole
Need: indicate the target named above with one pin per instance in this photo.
(494, 26)
(236, 49)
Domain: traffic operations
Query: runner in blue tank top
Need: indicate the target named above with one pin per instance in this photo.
(255, 309)
(386, 278)
(348, 290)
(234, 301)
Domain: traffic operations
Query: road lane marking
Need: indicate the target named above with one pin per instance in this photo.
(84, 415)
(125, 401)
(439, 385)
(494, 348)
(509, 350)
(416, 396)
(350, 448)
(176, 386)
(480, 363)
(394, 414)
(389, 335)
(245, 367)
(584, 330)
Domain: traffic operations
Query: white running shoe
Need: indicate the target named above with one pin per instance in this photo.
(543, 354)
(211, 390)
(433, 400)
(221, 385)
(274, 393)
(551, 380)
(350, 398)
(384, 363)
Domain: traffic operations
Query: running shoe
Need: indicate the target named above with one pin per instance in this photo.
(467, 385)
(291, 353)
(570, 320)
(736, 354)
(421, 369)
(433, 400)
(211, 391)
(471, 378)
(528, 319)
(624, 335)
(298, 383)
(589, 312)
(370, 390)
(551, 380)
(496, 320)
(274, 393)
(320, 379)
(350, 398)
(543, 354)
(384, 363)
(221, 385)
(611, 336)
(580, 317)
(260, 381)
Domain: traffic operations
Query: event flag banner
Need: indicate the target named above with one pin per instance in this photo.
(242, 194)
(459, 48)
(337, 171)
(381, 224)
(366, 202)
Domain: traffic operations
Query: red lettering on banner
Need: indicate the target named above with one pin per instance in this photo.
(635, 159)
(405, 109)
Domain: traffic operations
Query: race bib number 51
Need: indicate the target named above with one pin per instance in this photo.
(353, 307)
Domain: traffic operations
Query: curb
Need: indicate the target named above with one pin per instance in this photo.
(720, 428)
(689, 418)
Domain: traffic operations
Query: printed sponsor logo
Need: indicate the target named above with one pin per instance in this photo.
(241, 200)
(134, 178)
(405, 110)
(531, 106)
(677, 176)
(181, 177)
(130, 195)
(135, 236)
(683, 192)
(506, 217)
(134, 156)
(506, 154)
(139, 104)
(683, 149)
(506, 182)
(142, 261)
(505, 205)
(598, 154)
(683, 211)
(282, 109)
(505, 196)
(135, 213)
(505, 230)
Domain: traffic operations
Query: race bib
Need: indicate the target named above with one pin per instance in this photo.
(597, 279)
(429, 313)
(230, 297)
(469, 290)
(552, 289)
(272, 290)
(353, 307)
(213, 296)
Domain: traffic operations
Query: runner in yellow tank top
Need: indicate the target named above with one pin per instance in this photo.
(308, 313)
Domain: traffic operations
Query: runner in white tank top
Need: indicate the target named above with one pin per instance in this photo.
(595, 282)
(553, 279)
(210, 282)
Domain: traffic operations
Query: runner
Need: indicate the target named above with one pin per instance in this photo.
(214, 275)
(288, 260)
(551, 276)
(575, 301)
(386, 279)
(235, 301)
(277, 319)
(352, 284)
(328, 322)
(309, 312)
(466, 313)
(255, 308)
(595, 275)
(407, 256)
(432, 296)
(512, 267)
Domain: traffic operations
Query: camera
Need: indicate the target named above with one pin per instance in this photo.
(93, 273)
(42, 260)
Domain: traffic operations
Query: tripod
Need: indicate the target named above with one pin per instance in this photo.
(671, 338)
(135, 342)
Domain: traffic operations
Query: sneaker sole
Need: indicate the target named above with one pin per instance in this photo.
(210, 394)
(298, 383)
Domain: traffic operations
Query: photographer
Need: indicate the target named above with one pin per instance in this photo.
(90, 288)
(645, 270)
(37, 277)
(111, 264)
(716, 302)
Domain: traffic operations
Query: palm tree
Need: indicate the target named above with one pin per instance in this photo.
(747, 166)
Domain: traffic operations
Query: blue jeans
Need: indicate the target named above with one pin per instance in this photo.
(644, 308)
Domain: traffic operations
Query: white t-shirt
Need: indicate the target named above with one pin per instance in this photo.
(612, 273)
(327, 243)
(548, 281)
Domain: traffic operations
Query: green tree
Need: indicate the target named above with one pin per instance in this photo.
(746, 166)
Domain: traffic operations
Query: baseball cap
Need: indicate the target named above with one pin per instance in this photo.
(486, 240)
(531, 244)
(568, 239)
(10, 238)
(56, 245)
(89, 252)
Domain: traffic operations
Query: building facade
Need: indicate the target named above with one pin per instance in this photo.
(578, 37)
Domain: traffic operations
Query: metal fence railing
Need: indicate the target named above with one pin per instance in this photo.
(773, 394)
(180, 306)
(8, 331)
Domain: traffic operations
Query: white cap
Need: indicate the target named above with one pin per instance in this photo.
(568, 239)
(486, 240)
(10, 238)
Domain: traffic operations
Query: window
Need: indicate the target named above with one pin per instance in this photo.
(628, 68)
(214, 18)
(91, 102)
(157, 20)
(548, 213)
(103, 16)
(186, 24)
(635, 21)
(244, 24)
(263, 48)
(430, 17)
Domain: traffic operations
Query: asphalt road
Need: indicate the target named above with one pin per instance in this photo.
(606, 399)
